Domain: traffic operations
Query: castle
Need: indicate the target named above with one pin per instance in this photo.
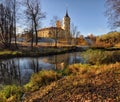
(58, 32)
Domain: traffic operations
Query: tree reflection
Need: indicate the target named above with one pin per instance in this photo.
(19, 70)
(61, 61)
(10, 72)
(34, 64)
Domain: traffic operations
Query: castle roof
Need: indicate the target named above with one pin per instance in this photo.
(49, 28)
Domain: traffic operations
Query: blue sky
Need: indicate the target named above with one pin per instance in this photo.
(87, 15)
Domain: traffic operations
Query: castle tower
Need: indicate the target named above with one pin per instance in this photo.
(58, 24)
(66, 25)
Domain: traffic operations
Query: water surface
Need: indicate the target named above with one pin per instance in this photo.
(19, 70)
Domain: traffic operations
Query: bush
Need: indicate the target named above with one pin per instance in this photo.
(10, 93)
(101, 57)
(81, 70)
(108, 40)
(40, 79)
(77, 69)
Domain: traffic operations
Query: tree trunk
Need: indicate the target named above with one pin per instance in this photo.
(32, 37)
(15, 23)
(36, 34)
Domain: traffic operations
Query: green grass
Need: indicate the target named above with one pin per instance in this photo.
(10, 93)
(41, 78)
(9, 52)
(101, 57)
(4, 54)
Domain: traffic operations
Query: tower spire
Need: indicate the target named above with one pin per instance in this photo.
(66, 12)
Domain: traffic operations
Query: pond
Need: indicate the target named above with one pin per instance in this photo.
(19, 70)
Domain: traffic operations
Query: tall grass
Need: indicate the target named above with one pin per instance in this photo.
(40, 79)
(82, 69)
(10, 93)
(101, 57)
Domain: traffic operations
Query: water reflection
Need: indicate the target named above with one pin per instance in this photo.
(19, 70)
(10, 72)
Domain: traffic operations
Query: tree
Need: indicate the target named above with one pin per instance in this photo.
(74, 33)
(113, 13)
(56, 30)
(6, 25)
(14, 20)
(8, 22)
(34, 13)
(54, 20)
(31, 35)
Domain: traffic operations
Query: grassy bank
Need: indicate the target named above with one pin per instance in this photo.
(99, 56)
(36, 52)
(97, 81)
(84, 83)
(11, 93)
(114, 48)
(79, 83)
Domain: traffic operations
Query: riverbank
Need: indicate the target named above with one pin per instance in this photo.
(106, 48)
(99, 80)
(38, 52)
(86, 83)
(83, 83)
(78, 82)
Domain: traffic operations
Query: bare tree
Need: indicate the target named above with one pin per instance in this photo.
(74, 33)
(14, 20)
(113, 13)
(8, 22)
(11, 4)
(6, 25)
(31, 34)
(34, 13)
(73, 30)
(56, 30)
(54, 20)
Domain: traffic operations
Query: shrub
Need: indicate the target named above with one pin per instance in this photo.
(77, 69)
(10, 93)
(40, 79)
(108, 40)
(101, 57)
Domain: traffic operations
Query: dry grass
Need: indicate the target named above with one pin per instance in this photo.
(92, 84)
(40, 79)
